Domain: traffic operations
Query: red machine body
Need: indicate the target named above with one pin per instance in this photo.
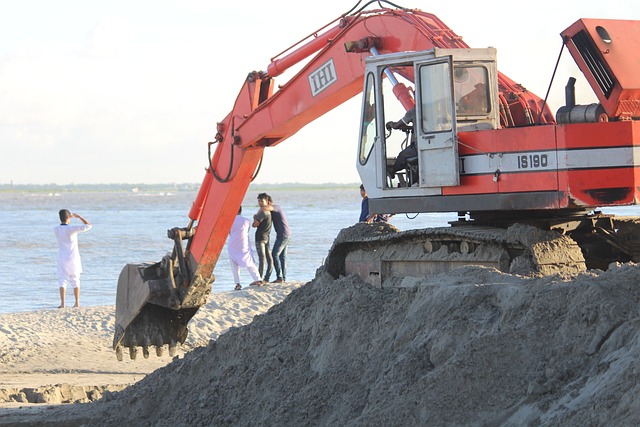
(603, 50)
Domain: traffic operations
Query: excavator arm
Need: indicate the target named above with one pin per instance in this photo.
(156, 301)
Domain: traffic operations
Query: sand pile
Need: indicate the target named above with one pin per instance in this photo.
(473, 347)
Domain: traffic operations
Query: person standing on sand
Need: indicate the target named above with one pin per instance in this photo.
(239, 249)
(262, 223)
(69, 263)
(283, 234)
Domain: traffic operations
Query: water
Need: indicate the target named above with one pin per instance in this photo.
(131, 227)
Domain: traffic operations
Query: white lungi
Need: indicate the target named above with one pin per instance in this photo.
(240, 250)
(69, 264)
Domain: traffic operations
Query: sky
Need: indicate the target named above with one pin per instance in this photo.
(129, 91)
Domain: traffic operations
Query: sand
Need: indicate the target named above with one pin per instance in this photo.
(65, 355)
(470, 347)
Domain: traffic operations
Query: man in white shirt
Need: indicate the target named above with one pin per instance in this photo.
(69, 265)
(239, 249)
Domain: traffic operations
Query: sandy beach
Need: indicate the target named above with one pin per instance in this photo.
(473, 346)
(65, 355)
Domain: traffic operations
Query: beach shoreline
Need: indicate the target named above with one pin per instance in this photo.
(65, 355)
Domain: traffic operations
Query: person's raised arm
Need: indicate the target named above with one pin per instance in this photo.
(84, 221)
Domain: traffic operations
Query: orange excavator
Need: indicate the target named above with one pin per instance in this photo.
(525, 183)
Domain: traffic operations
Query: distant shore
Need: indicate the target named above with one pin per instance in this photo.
(162, 187)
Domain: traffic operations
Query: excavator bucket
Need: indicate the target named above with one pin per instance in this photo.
(149, 310)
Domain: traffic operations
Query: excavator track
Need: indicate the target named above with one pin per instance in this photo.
(627, 236)
(384, 256)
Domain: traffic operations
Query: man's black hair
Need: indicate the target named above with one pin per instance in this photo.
(265, 196)
(64, 215)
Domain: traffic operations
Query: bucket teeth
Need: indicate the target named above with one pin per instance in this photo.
(133, 352)
(146, 342)
(155, 326)
(159, 350)
(158, 341)
(119, 354)
(173, 346)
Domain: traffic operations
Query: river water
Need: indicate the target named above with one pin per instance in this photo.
(130, 226)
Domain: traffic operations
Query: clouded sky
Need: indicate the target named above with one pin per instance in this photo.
(129, 91)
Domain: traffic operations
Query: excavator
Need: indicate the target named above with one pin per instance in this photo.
(526, 185)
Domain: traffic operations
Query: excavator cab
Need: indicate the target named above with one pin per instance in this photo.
(449, 90)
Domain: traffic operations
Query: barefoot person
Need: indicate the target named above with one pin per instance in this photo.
(239, 249)
(69, 265)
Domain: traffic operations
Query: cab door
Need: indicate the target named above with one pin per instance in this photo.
(435, 123)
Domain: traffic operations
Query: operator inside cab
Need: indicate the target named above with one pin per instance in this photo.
(472, 100)
(470, 88)
(408, 157)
